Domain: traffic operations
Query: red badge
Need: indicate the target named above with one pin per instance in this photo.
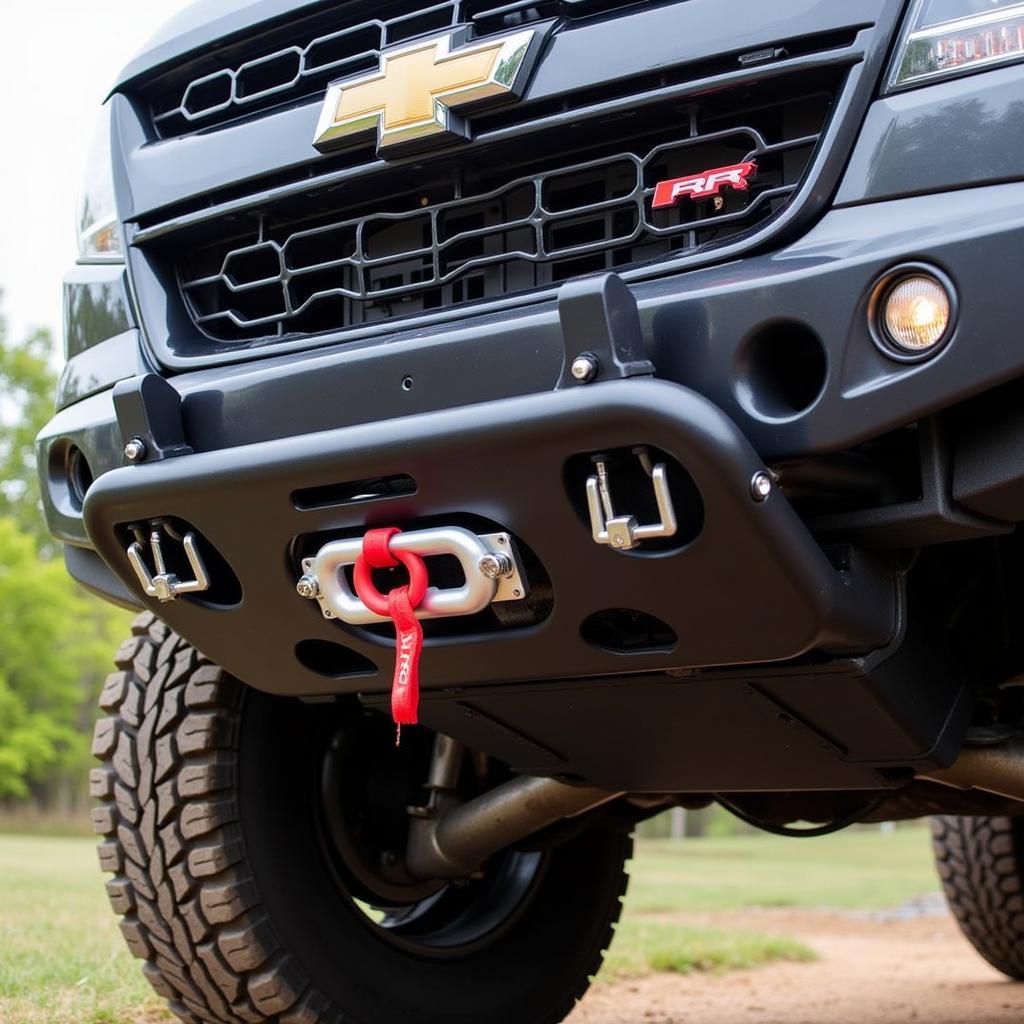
(707, 183)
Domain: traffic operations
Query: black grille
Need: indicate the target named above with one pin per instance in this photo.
(287, 64)
(410, 239)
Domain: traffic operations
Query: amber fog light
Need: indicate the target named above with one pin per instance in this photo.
(912, 313)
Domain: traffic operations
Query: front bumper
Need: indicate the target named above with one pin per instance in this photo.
(475, 416)
(750, 586)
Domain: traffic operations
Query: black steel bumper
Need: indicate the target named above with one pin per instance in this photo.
(751, 586)
(474, 415)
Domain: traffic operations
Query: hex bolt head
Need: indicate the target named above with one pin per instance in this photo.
(308, 587)
(584, 368)
(761, 486)
(135, 450)
(495, 564)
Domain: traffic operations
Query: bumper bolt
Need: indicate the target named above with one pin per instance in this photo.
(135, 450)
(308, 587)
(584, 368)
(760, 486)
(495, 564)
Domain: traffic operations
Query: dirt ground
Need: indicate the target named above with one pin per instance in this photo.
(871, 970)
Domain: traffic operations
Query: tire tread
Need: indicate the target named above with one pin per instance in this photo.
(981, 865)
(173, 843)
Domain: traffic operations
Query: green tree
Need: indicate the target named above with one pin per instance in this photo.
(51, 639)
(27, 384)
(55, 640)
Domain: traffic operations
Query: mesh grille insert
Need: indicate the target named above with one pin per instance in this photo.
(404, 240)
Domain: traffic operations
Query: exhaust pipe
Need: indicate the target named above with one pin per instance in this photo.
(998, 770)
(448, 839)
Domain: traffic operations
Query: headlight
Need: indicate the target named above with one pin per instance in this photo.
(942, 38)
(99, 239)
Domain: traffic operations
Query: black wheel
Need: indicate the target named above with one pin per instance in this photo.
(256, 847)
(981, 863)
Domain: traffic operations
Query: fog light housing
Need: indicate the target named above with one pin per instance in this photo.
(912, 312)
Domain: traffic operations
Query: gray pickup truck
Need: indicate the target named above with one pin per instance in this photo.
(620, 401)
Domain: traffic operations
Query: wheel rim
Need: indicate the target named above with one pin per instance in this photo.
(433, 919)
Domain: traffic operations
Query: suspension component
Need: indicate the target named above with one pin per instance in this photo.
(451, 839)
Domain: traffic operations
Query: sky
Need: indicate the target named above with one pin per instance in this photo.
(58, 60)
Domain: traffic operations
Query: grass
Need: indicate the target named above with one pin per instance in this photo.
(651, 947)
(851, 870)
(63, 961)
(62, 958)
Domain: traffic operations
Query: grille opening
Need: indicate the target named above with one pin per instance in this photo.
(611, 226)
(393, 238)
(259, 77)
(342, 48)
(260, 263)
(204, 95)
(306, 248)
(412, 25)
(303, 287)
(574, 202)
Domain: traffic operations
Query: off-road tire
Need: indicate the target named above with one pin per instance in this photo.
(221, 887)
(981, 864)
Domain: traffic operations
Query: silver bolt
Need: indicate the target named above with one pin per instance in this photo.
(308, 587)
(584, 368)
(760, 486)
(618, 540)
(495, 564)
(135, 450)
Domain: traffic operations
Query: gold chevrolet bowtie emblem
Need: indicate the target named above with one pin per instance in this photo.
(419, 90)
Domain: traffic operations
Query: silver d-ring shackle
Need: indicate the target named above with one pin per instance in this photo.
(338, 600)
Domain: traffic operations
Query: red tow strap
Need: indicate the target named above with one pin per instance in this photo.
(400, 606)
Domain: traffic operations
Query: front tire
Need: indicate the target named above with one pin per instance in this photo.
(230, 889)
(981, 864)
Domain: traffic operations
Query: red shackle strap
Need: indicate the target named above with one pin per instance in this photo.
(400, 606)
(377, 554)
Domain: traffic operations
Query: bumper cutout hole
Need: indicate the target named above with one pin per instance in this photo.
(633, 494)
(335, 661)
(353, 492)
(79, 476)
(225, 590)
(628, 631)
(69, 477)
(781, 371)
